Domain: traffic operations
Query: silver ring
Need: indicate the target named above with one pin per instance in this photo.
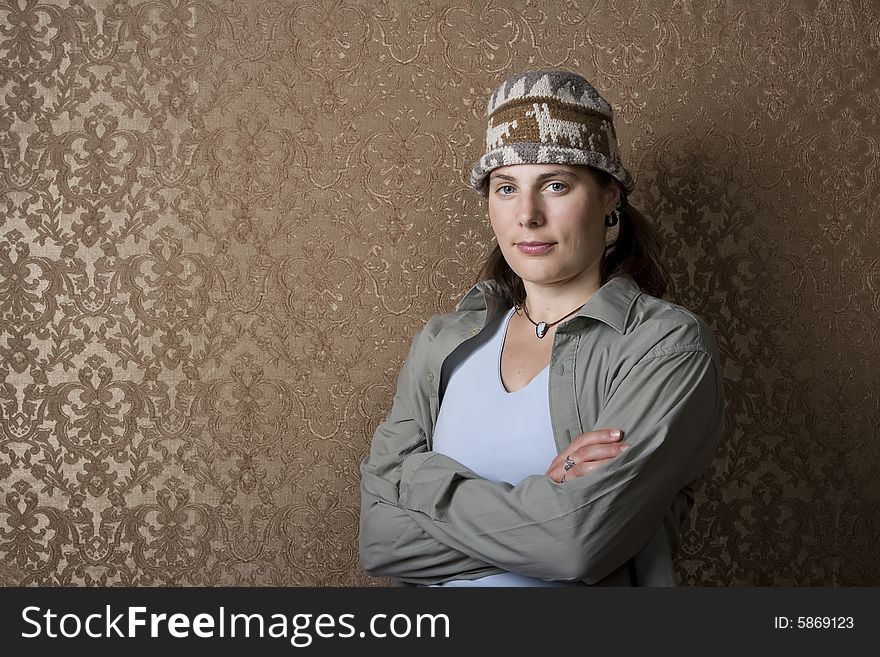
(569, 464)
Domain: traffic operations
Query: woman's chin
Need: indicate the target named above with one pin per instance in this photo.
(541, 278)
(554, 277)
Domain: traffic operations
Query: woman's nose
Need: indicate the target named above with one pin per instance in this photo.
(530, 210)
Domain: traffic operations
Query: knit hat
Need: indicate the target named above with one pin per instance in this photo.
(545, 117)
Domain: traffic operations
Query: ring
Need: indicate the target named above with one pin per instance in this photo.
(569, 464)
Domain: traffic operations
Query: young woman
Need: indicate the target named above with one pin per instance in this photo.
(551, 430)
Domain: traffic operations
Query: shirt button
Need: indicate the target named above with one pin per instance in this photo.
(475, 331)
(561, 368)
(430, 375)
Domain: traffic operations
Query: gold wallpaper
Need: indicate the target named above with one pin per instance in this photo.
(222, 222)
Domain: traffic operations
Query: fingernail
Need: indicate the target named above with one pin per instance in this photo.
(615, 433)
(624, 446)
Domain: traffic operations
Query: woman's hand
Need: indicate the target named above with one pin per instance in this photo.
(587, 452)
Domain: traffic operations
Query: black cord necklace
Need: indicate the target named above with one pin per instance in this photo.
(541, 328)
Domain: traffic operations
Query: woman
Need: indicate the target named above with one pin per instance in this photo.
(551, 429)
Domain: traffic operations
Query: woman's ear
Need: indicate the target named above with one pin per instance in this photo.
(612, 197)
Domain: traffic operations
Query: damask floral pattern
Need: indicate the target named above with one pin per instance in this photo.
(222, 222)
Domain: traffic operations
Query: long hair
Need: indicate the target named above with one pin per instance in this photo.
(635, 251)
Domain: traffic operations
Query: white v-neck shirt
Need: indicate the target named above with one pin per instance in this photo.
(499, 435)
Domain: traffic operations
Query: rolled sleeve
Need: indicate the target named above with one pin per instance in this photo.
(671, 410)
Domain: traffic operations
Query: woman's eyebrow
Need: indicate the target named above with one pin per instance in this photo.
(543, 176)
(554, 174)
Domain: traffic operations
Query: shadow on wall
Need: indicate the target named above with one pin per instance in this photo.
(781, 502)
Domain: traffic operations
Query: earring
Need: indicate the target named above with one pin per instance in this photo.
(612, 219)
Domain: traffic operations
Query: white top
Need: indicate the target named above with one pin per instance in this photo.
(499, 435)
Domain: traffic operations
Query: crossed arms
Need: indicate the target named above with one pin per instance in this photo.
(425, 518)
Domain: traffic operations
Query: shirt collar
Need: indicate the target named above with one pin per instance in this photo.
(475, 298)
(613, 302)
(610, 304)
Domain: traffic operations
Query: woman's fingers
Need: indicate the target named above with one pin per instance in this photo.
(597, 437)
(582, 460)
(581, 469)
(597, 452)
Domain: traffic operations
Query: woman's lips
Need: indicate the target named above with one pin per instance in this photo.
(534, 248)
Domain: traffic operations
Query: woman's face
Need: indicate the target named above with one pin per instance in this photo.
(549, 220)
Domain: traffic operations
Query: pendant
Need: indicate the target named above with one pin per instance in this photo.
(541, 329)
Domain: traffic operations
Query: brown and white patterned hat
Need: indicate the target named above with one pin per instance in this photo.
(546, 117)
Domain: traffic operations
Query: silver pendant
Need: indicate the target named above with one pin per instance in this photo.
(541, 329)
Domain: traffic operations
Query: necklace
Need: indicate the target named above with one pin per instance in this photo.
(542, 327)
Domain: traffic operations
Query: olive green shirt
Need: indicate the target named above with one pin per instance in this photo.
(626, 360)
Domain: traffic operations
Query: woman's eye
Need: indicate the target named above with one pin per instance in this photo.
(505, 190)
(556, 187)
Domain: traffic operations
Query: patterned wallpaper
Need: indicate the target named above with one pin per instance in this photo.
(222, 222)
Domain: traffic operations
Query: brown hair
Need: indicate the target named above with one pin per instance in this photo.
(635, 251)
